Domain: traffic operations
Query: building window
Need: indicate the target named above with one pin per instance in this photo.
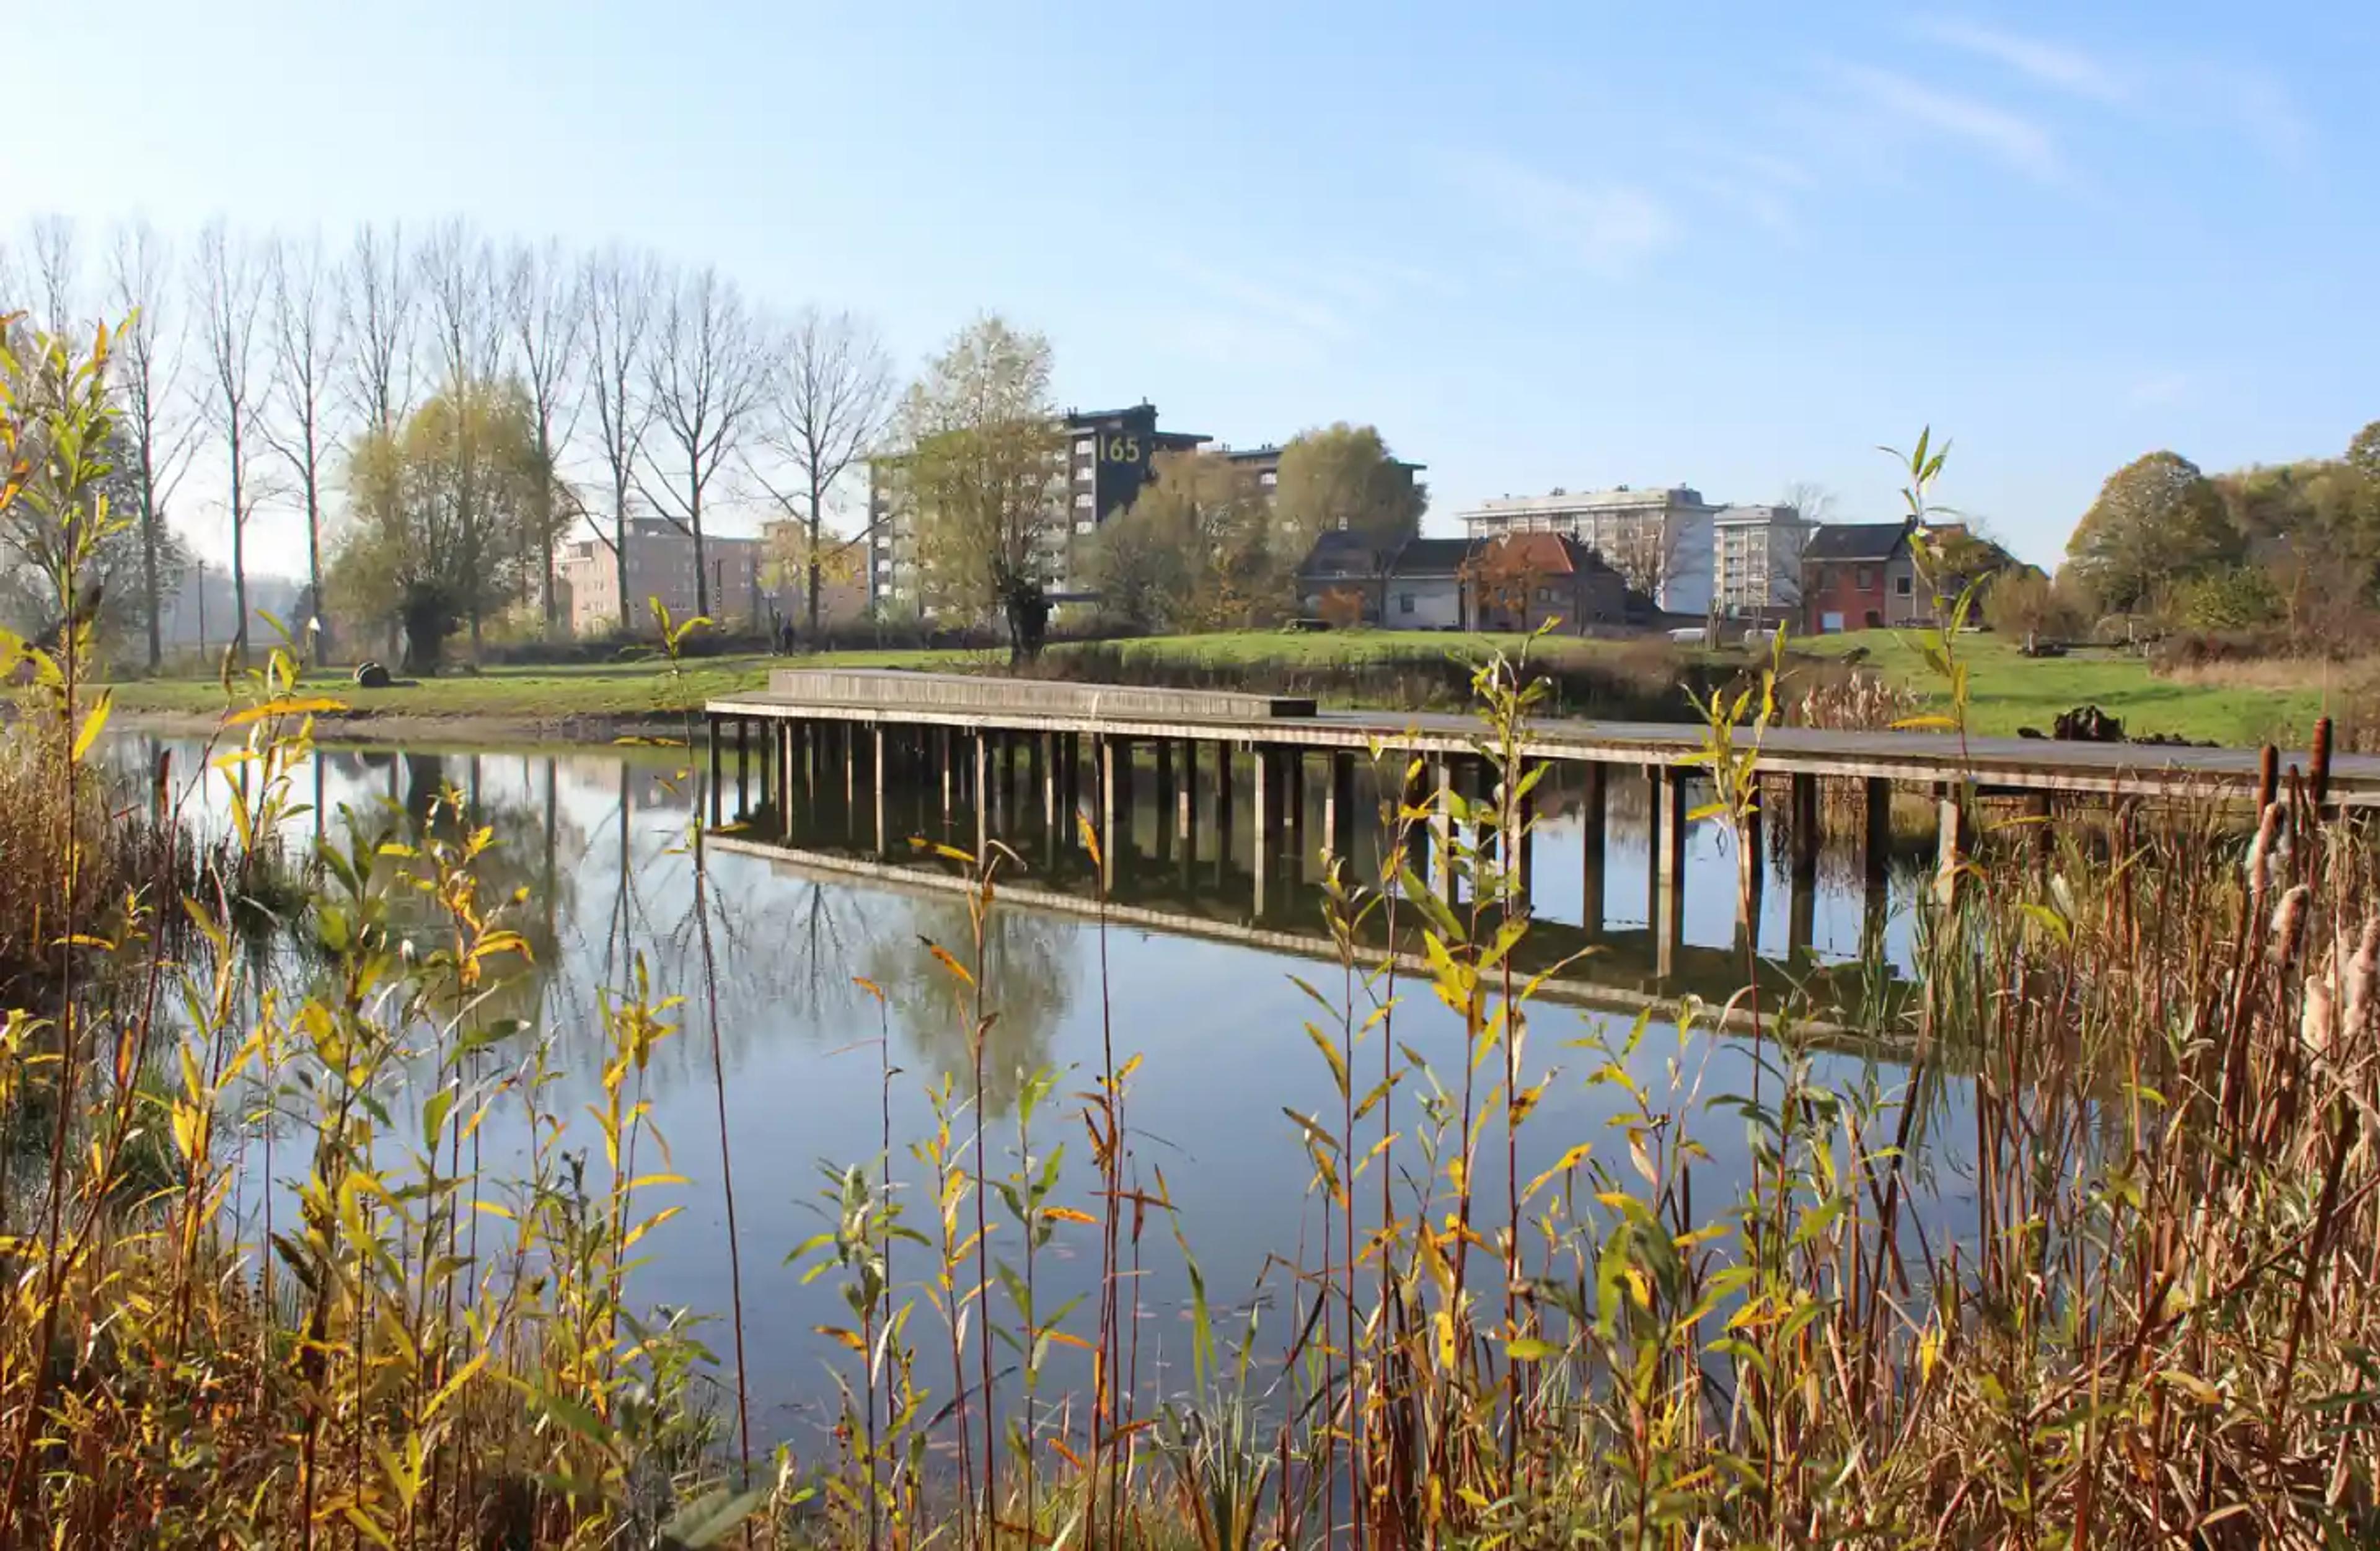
(1404, 603)
(1084, 501)
(1269, 478)
(1900, 586)
(1863, 578)
(1084, 526)
(1086, 446)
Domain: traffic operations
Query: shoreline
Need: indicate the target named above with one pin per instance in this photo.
(568, 729)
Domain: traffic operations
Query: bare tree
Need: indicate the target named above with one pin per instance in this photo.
(144, 371)
(620, 290)
(705, 374)
(1813, 501)
(833, 394)
(466, 318)
(547, 301)
(376, 302)
(306, 345)
(58, 272)
(228, 287)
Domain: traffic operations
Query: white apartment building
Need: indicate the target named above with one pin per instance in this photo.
(1662, 541)
(661, 565)
(1757, 558)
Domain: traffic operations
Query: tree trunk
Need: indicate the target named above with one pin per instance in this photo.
(620, 549)
(701, 565)
(815, 530)
(320, 633)
(238, 561)
(148, 565)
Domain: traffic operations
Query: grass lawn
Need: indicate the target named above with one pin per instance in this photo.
(2008, 690)
(638, 686)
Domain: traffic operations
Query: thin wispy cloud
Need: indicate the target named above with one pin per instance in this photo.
(2058, 66)
(1609, 226)
(1262, 302)
(2008, 137)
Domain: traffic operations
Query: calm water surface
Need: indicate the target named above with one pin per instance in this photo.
(600, 838)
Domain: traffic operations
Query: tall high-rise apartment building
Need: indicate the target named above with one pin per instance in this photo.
(1105, 456)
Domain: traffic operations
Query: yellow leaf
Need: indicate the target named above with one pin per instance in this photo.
(1067, 1214)
(93, 722)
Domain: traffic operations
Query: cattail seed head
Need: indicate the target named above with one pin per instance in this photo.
(2315, 1026)
(2259, 854)
(2363, 979)
(2289, 923)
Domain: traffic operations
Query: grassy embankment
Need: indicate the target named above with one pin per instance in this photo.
(2010, 690)
(551, 696)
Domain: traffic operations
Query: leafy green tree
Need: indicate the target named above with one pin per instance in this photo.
(2022, 601)
(982, 472)
(2235, 597)
(1343, 477)
(2158, 521)
(444, 509)
(1194, 551)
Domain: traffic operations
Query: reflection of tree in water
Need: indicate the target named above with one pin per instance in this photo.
(530, 836)
(1027, 980)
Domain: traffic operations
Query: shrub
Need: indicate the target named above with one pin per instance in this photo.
(2240, 598)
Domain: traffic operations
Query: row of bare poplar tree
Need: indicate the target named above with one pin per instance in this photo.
(656, 389)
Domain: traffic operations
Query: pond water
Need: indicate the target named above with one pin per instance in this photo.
(1194, 983)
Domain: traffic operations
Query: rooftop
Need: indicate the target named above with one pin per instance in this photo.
(1622, 497)
(1857, 540)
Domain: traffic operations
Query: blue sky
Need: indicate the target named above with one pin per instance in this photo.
(1569, 245)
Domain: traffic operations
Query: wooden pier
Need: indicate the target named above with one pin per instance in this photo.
(1099, 750)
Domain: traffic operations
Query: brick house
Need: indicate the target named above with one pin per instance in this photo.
(1859, 576)
(1521, 581)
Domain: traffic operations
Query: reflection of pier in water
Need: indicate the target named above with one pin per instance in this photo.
(1192, 854)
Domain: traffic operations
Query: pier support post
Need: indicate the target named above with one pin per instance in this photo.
(1293, 799)
(1950, 815)
(1070, 785)
(1877, 852)
(1442, 825)
(982, 794)
(1594, 824)
(1267, 800)
(743, 765)
(2042, 813)
(1655, 795)
(1669, 872)
(1805, 830)
(1185, 801)
(883, 829)
(1751, 866)
(1114, 778)
(1044, 755)
(1120, 823)
(780, 789)
(1338, 803)
(711, 737)
(1224, 752)
(1162, 804)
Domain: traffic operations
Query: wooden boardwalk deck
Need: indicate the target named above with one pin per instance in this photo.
(1913, 759)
